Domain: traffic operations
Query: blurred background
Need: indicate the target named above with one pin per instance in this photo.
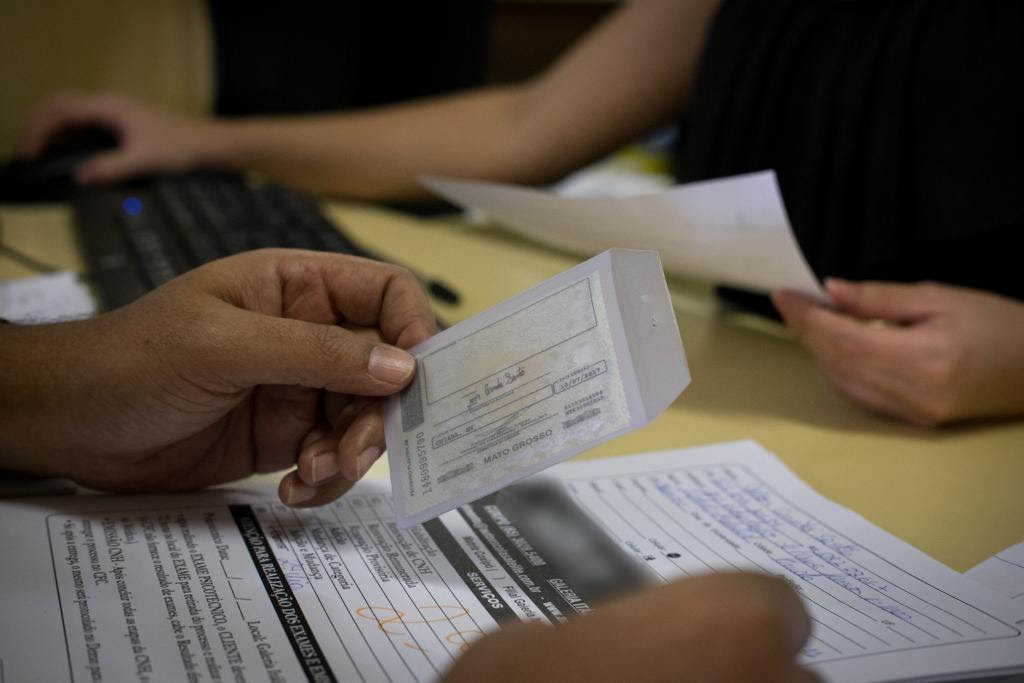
(237, 58)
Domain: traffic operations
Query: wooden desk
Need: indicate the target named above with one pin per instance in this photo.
(955, 493)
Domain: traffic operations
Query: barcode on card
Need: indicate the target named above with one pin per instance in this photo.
(412, 405)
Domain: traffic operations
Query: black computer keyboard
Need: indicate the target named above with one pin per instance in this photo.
(137, 237)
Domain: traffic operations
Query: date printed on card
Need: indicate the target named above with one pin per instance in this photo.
(522, 386)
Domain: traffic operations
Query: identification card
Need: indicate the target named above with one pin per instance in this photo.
(586, 356)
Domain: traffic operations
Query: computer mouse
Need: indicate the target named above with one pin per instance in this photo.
(49, 177)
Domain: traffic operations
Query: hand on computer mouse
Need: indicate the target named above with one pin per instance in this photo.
(243, 365)
(150, 140)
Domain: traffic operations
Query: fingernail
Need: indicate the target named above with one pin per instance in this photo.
(365, 460)
(298, 493)
(324, 466)
(391, 364)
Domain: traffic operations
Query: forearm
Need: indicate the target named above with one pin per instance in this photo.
(380, 153)
(633, 73)
(67, 393)
(39, 389)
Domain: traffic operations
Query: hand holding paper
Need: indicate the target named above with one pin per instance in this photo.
(732, 231)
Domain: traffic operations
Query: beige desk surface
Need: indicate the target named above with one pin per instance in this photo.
(958, 494)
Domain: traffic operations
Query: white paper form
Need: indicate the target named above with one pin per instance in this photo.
(882, 610)
(573, 362)
(234, 586)
(730, 231)
(1004, 573)
(229, 586)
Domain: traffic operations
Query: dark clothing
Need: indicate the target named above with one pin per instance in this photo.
(896, 129)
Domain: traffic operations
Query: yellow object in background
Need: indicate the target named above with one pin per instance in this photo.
(158, 50)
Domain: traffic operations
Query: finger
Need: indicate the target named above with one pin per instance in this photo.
(362, 443)
(295, 493)
(46, 118)
(775, 600)
(876, 398)
(846, 348)
(888, 301)
(795, 308)
(314, 435)
(387, 298)
(361, 292)
(866, 363)
(249, 349)
(371, 333)
(282, 417)
(318, 461)
(734, 626)
(108, 167)
(61, 112)
(833, 336)
(341, 409)
(747, 600)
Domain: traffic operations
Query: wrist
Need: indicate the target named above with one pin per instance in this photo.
(217, 143)
(230, 143)
(38, 392)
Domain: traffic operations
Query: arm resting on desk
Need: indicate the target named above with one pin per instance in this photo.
(631, 74)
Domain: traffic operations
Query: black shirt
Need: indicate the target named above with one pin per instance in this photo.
(896, 129)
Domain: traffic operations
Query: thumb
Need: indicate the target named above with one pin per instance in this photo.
(107, 167)
(263, 349)
(887, 301)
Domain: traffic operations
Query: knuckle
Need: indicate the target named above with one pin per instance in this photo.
(324, 343)
(845, 348)
(938, 373)
(940, 366)
(400, 274)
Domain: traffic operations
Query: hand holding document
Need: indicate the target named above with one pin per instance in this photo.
(588, 355)
(731, 231)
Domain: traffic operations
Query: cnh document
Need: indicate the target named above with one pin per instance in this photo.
(232, 585)
(579, 359)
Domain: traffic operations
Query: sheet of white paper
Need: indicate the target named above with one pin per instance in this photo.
(533, 381)
(1004, 573)
(45, 298)
(233, 583)
(731, 231)
(882, 610)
